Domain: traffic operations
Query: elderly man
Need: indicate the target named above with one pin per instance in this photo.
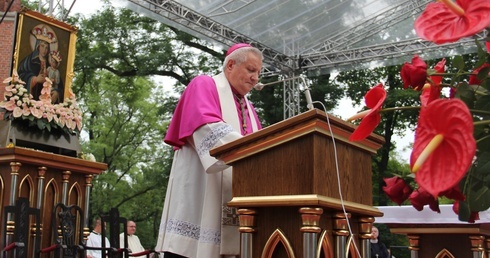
(212, 111)
(95, 240)
(134, 244)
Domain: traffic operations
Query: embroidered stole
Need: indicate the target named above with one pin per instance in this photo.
(227, 102)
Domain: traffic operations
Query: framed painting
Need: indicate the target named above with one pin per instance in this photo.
(45, 48)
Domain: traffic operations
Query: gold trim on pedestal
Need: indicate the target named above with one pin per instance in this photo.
(365, 230)
(276, 237)
(325, 244)
(340, 226)
(352, 248)
(413, 241)
(365, 227)
(304, 200)
(15, 166)
(247, 220)
(311, 219)
(444, 253)
(477, 243)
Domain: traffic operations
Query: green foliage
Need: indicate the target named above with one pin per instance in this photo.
(125, 131)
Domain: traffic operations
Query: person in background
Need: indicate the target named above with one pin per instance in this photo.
(95, 240)
(134, 243)
(378, 249)
(212, 111)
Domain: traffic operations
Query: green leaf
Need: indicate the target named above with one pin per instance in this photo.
(464, 211)
(483, 73)
(458, 62)
(466, 94)
(483, 103)
(478, 191)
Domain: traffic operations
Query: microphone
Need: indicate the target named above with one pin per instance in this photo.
(259, 86)
(309, 100)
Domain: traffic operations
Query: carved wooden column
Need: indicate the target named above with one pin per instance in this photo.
(365, 228)
(413, 241)
(310, 218)
(88, 187)
(247, 229)
(14, 166)
(14, 175)
(341, 232)
(477, 247)
(487, 245)
(41, 172)
(64, 194)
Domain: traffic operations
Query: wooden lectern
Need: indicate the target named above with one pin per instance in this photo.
(286, 188)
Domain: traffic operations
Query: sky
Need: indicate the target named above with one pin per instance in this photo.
(344, 110)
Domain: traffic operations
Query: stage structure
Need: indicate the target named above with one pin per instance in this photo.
(308, 37)
(292, 182)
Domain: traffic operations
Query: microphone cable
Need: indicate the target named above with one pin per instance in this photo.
(338, 178)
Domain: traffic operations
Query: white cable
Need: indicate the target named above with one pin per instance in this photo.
(338, 177)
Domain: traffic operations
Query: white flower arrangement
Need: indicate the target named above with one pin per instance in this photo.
(18, 104)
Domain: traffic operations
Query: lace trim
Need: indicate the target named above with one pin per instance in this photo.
(210, 140)
(193, 231)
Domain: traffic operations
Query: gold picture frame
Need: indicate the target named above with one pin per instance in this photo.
(37, 34)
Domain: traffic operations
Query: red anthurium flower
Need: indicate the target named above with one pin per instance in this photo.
(397, 189)
(414, 74)
(374, 98)
(421, 197)
(474, 75)
(444, 145)
(454, 193)
(447, 21)
(432, 90)
(488, 46)
(473, 215)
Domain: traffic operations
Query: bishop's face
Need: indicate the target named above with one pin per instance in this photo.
(244, 76)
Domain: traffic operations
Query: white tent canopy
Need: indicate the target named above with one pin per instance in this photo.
(407, 214)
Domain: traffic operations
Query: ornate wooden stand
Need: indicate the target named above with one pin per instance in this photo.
(286, 188)
(45, 179)
(439, 235)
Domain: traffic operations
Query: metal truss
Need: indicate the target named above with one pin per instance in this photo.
(175, 12)
(58, 9)
(351, 57)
